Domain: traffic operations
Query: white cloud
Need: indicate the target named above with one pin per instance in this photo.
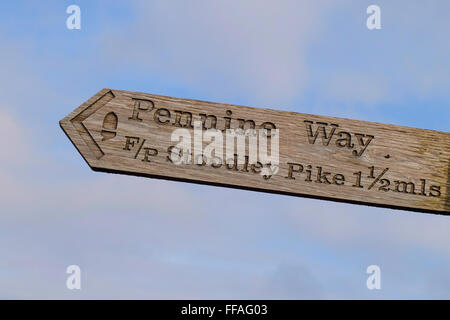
(406, 59)
(252, 47)
(349, 226)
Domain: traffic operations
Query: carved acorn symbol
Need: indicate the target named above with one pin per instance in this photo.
(109, 126)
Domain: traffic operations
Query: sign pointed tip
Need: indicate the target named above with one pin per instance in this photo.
(106, 90)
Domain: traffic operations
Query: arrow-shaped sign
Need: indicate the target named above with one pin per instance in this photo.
(263, 150)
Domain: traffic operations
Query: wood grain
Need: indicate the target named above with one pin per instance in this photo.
(319, 157)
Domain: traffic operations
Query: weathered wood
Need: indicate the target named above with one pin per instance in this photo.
(320, 157)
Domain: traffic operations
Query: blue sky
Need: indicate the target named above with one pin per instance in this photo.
(144, 238)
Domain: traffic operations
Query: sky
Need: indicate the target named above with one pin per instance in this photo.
(138, 238)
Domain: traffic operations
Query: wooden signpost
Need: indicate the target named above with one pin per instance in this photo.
(319, 157)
